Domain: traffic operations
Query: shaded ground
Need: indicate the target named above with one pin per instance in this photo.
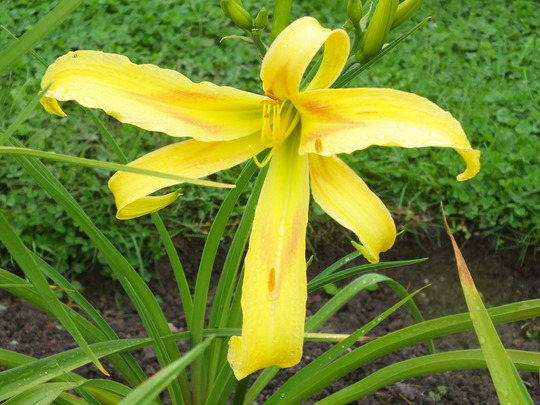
(499, 277)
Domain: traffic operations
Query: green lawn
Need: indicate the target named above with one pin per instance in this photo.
(478, 60)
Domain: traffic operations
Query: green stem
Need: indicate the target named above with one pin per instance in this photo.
(39, 31)
(261, 47)
(282, 16)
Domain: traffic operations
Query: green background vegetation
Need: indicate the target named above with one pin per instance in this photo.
(478, 60)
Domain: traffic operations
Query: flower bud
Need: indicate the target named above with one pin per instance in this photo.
(405, 10)
(354, 11)
(261, 20)
(377, 30)
(237, 13)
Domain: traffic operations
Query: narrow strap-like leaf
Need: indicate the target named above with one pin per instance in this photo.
(27, 263)
(431, 364)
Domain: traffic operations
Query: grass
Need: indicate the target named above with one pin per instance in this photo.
(474, 59)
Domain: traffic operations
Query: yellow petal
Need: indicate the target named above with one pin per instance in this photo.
(189, 158)
(344, 120)
(290, 54)
(151, 98)
(347, 199)
(274, 290)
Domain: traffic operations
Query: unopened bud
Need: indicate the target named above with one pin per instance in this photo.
(405, 10)
(377, 30)
(261, 21)
(237, 13)
(354, 11)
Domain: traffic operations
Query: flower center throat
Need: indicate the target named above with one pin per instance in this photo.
(279, 120)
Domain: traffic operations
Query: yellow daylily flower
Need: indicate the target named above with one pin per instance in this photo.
(303, 129)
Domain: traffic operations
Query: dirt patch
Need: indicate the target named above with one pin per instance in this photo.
(500, 277)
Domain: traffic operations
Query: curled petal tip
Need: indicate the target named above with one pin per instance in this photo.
(371, 257)
(52, 107)
(146, 205)
(472, 158)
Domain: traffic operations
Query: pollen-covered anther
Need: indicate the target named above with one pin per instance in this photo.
(272, 280)
(318, 145)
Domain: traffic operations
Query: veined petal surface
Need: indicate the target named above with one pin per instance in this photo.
(290, 54)
(274, 290)
(348, 200)
(344, 120)
(189, 158)
(151, 98)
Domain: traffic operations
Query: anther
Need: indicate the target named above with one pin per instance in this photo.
(318, 145)
(270, 102)
(271, 95)
(272, 280)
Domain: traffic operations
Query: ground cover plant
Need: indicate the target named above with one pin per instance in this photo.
(274, 328)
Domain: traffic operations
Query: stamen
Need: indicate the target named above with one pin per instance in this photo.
(272, 280)
(269, 102)
(271, 95)
(266, 159)
(280, 118)
(318, 145)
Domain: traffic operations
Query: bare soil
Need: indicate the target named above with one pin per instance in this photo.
(501, 277)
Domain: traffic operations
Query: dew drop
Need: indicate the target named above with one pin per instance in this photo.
(90, 100)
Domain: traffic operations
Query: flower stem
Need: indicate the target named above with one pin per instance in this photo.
(261, 46)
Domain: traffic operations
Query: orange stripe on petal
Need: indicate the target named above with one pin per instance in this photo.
(274, 291)
(344, 120)
(151, 98)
